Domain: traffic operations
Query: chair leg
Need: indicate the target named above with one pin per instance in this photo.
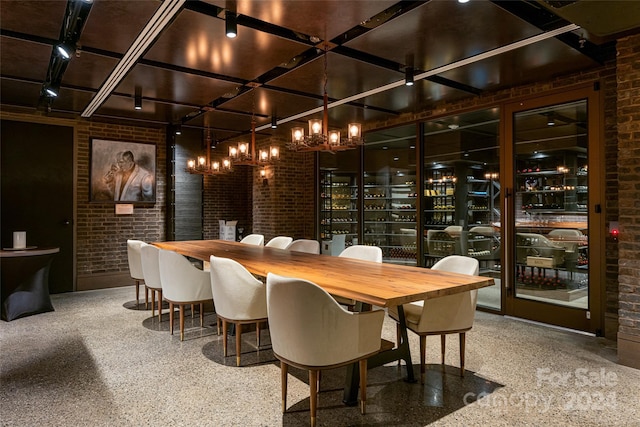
(201, 315)
(137, 292)
(283, 377)
(181, 322)
(258, 335)
(443, 342)
(224, 337)
(171, 317)
(146, 297)
(423, 361)
(398, 339)
(313, 394)
(218, 324)
(153, 303)
(462, 348)
(238, 342)
(363, 385)
(193, 308)
(160, 305)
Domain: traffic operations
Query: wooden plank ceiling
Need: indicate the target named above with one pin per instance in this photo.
(193, 75)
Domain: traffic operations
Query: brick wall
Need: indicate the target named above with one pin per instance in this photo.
(228, 197)
(628, 117)
(101, 235)
(285, 204)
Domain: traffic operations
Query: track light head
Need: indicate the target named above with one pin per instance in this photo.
(52, 89)
(408, 76)
(231, 24)
(178, 129)
(65, 50)
(274, 122)
(137, 102)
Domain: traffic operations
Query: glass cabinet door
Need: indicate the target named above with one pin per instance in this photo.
(390, 193)
(551, 218)
(461, 194)
(339, 213)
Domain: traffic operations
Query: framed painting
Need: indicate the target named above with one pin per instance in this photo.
(122, 172)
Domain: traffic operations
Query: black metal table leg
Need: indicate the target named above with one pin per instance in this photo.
(402, 352)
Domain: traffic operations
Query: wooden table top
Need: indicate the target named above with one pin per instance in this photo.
(374, 283)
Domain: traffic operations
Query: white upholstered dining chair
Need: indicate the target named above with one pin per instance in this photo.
(183, 284)
(240, 299)
(253, 239)
(443, 315)
(280, 242)
(309, 330)
(135, 269)
(365, 253)
(151, 272)
(305, 245)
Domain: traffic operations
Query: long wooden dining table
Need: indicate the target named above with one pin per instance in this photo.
(376, 284)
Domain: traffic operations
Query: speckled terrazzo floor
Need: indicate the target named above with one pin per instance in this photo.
(98, 361)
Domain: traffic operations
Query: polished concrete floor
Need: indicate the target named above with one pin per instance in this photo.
(99, 361)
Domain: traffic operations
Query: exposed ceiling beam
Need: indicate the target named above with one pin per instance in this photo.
(435, 71)
(165, 14)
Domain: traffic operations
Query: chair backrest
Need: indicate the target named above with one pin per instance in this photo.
(484, 230)
(253, 239)
(566, 232)
(133, 256)
(280, 242)
(458, 264)
(237, 294)
(181, 281)
(452, 312)
(151, 266)
(309, 327)
(305, 245)
(453, 230)
(367, 253)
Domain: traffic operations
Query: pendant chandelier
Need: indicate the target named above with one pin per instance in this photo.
(320, 137)
(242, 154)
(204, 165)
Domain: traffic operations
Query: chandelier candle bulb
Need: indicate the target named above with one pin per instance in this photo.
(274, 153)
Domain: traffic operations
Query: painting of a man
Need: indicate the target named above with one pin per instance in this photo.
(128, 180)
(122, 172)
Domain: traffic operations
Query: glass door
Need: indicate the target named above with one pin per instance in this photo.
(551, 225)
(390, 194)
(339, 213)
(461, 193)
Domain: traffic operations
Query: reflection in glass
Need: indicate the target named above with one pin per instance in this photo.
(461, 193)
(551, 204)
(390, 193)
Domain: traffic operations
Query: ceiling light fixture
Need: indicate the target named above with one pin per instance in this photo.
(137, 101)
(52, 89)
(320, 138)
(65, 50)
(274, 122)
(231, 24)
(243, 154)
(178, 129)
(408, 76)
(551, 119)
